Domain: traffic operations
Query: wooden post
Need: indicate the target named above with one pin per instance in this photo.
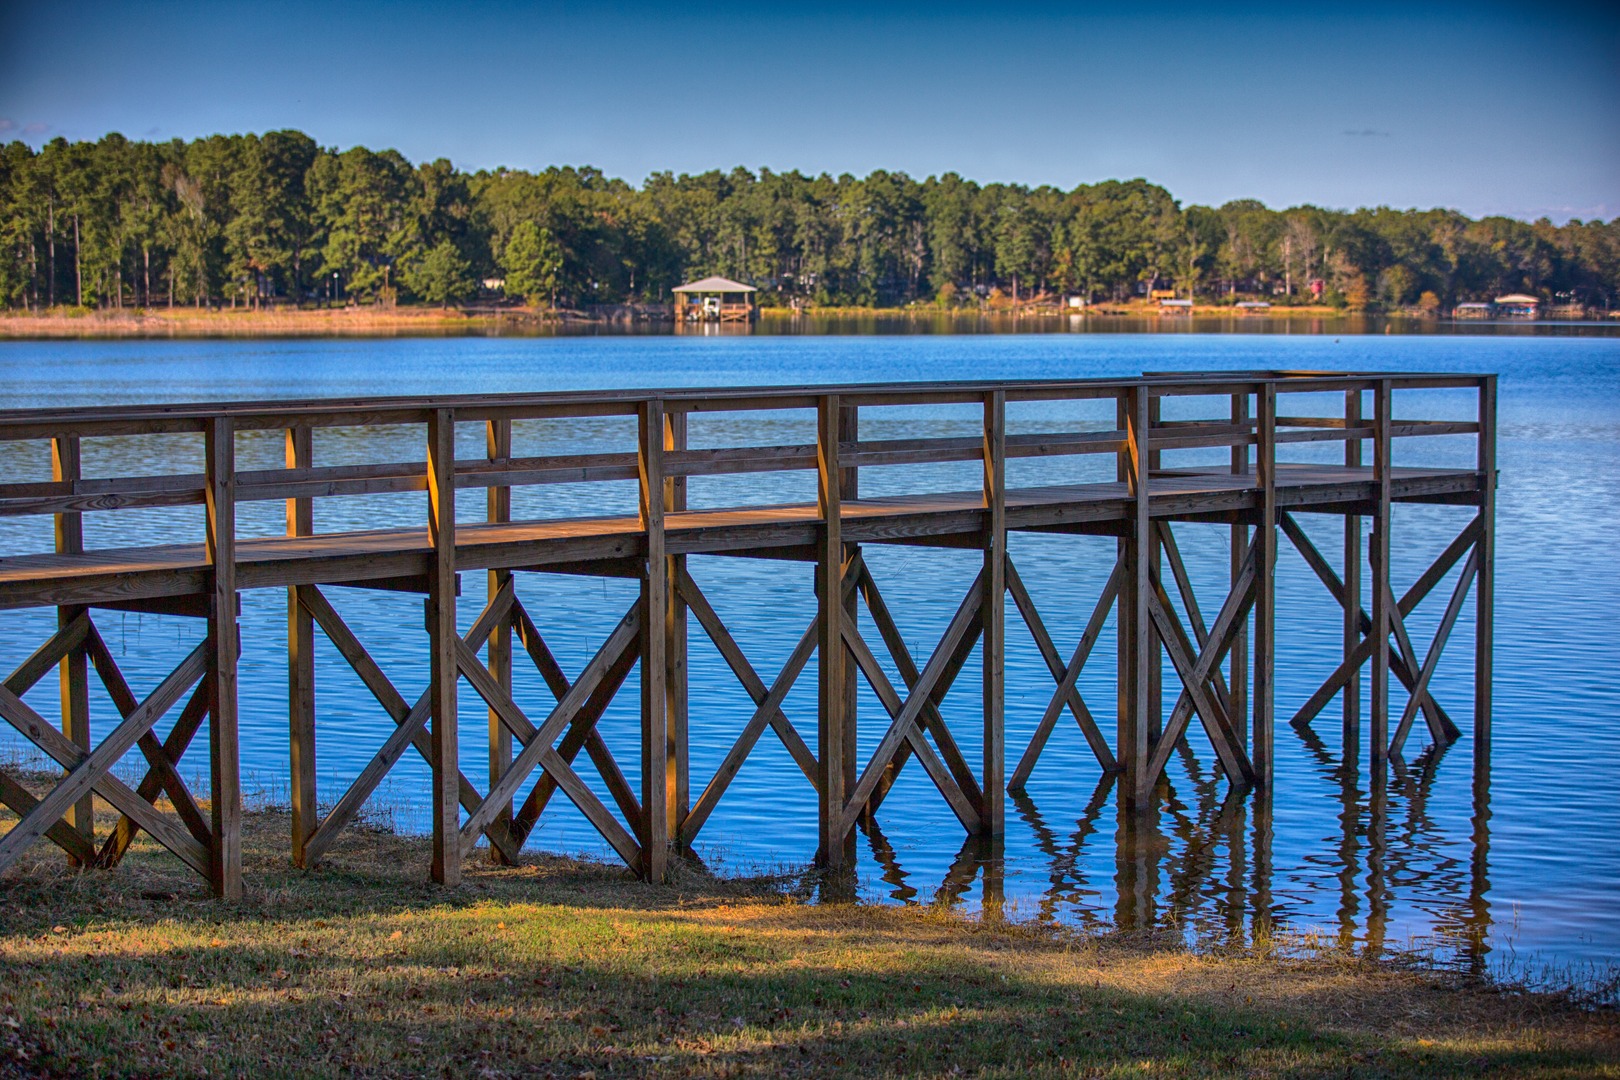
(1155, 662)
(1485, 579)
(219, 466)
(1378, 565)
(1265, 603)
(849, 487)
(836, 750)
(300, 667)
(675, 645)
(443, 637)
(498, 448)
(1352, 592)
(992, 817)
(66, 467)
(1238, 659)
(655, 757)
(1136, 638)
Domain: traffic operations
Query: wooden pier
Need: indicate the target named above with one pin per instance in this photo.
(1221, 670)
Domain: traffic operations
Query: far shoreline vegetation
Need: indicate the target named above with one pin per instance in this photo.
(125, 236)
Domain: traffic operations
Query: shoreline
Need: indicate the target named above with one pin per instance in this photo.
(362, 966)
(362, 322)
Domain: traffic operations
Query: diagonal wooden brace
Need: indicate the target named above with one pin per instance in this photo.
(1402, 666)
(733, 654)
(158, 762)
(152, 784)
(539, 751)
(87, 772)
(1067, 676)
(767, 705)
(1229, 622)
(961, 802)
(1195, 682)
(581, 734)
(964, 622)
(411, 721)
(495, 695)
(932, 720)
(1442, 634)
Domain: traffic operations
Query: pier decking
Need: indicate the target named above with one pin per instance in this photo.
(1222, 668)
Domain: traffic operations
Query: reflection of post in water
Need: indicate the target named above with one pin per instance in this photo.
(1192, 872)
(1344, 775)
(1479, 881)
(1138, 847)
(1068, 882)
(1263, 913)
(977, 851)
(1230, 825)
(883, 855)
(1377, 854)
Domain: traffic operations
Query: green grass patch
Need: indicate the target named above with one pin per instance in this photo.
(569, 968)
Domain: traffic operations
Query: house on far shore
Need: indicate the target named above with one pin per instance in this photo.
(1172, 306)
(715, 299)
(1474, 310)
(1518, 306)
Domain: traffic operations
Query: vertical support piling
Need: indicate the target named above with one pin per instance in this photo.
(219, 466)
(1485, 576)
(675, 646)
(655, 587)
(444, 673)
(1378, 566)
(1237, 680)
(1155, 661)
(498, 509)
(849, 487)
(992, 817)
(1137, 639)
(836, 749)
(75, 675)
(1265, 603)
(300, 445)
(1352, 591)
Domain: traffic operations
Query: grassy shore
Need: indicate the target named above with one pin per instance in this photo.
(569, 968)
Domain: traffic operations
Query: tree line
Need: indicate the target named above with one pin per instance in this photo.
(251, 219)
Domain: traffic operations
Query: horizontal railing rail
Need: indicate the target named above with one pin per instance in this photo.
(1246, 426)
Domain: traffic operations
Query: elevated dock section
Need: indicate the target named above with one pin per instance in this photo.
(1131, 460)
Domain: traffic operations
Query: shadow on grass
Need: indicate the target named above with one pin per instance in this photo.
(574, 969)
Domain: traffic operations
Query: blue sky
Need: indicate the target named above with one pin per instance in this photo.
(1488, 109)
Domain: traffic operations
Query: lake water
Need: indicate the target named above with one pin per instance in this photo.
(1527, 881)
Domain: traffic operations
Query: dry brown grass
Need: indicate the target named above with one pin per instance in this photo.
(571, 968)
(242, 322)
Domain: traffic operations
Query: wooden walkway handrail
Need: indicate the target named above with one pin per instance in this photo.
(78, 495)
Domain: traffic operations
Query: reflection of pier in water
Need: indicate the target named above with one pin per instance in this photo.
(1198, 861)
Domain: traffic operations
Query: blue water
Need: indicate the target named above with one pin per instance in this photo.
(1526, 879)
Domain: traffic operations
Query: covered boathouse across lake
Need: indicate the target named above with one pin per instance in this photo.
(715, 299)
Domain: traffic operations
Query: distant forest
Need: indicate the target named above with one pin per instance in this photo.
(275, 218)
